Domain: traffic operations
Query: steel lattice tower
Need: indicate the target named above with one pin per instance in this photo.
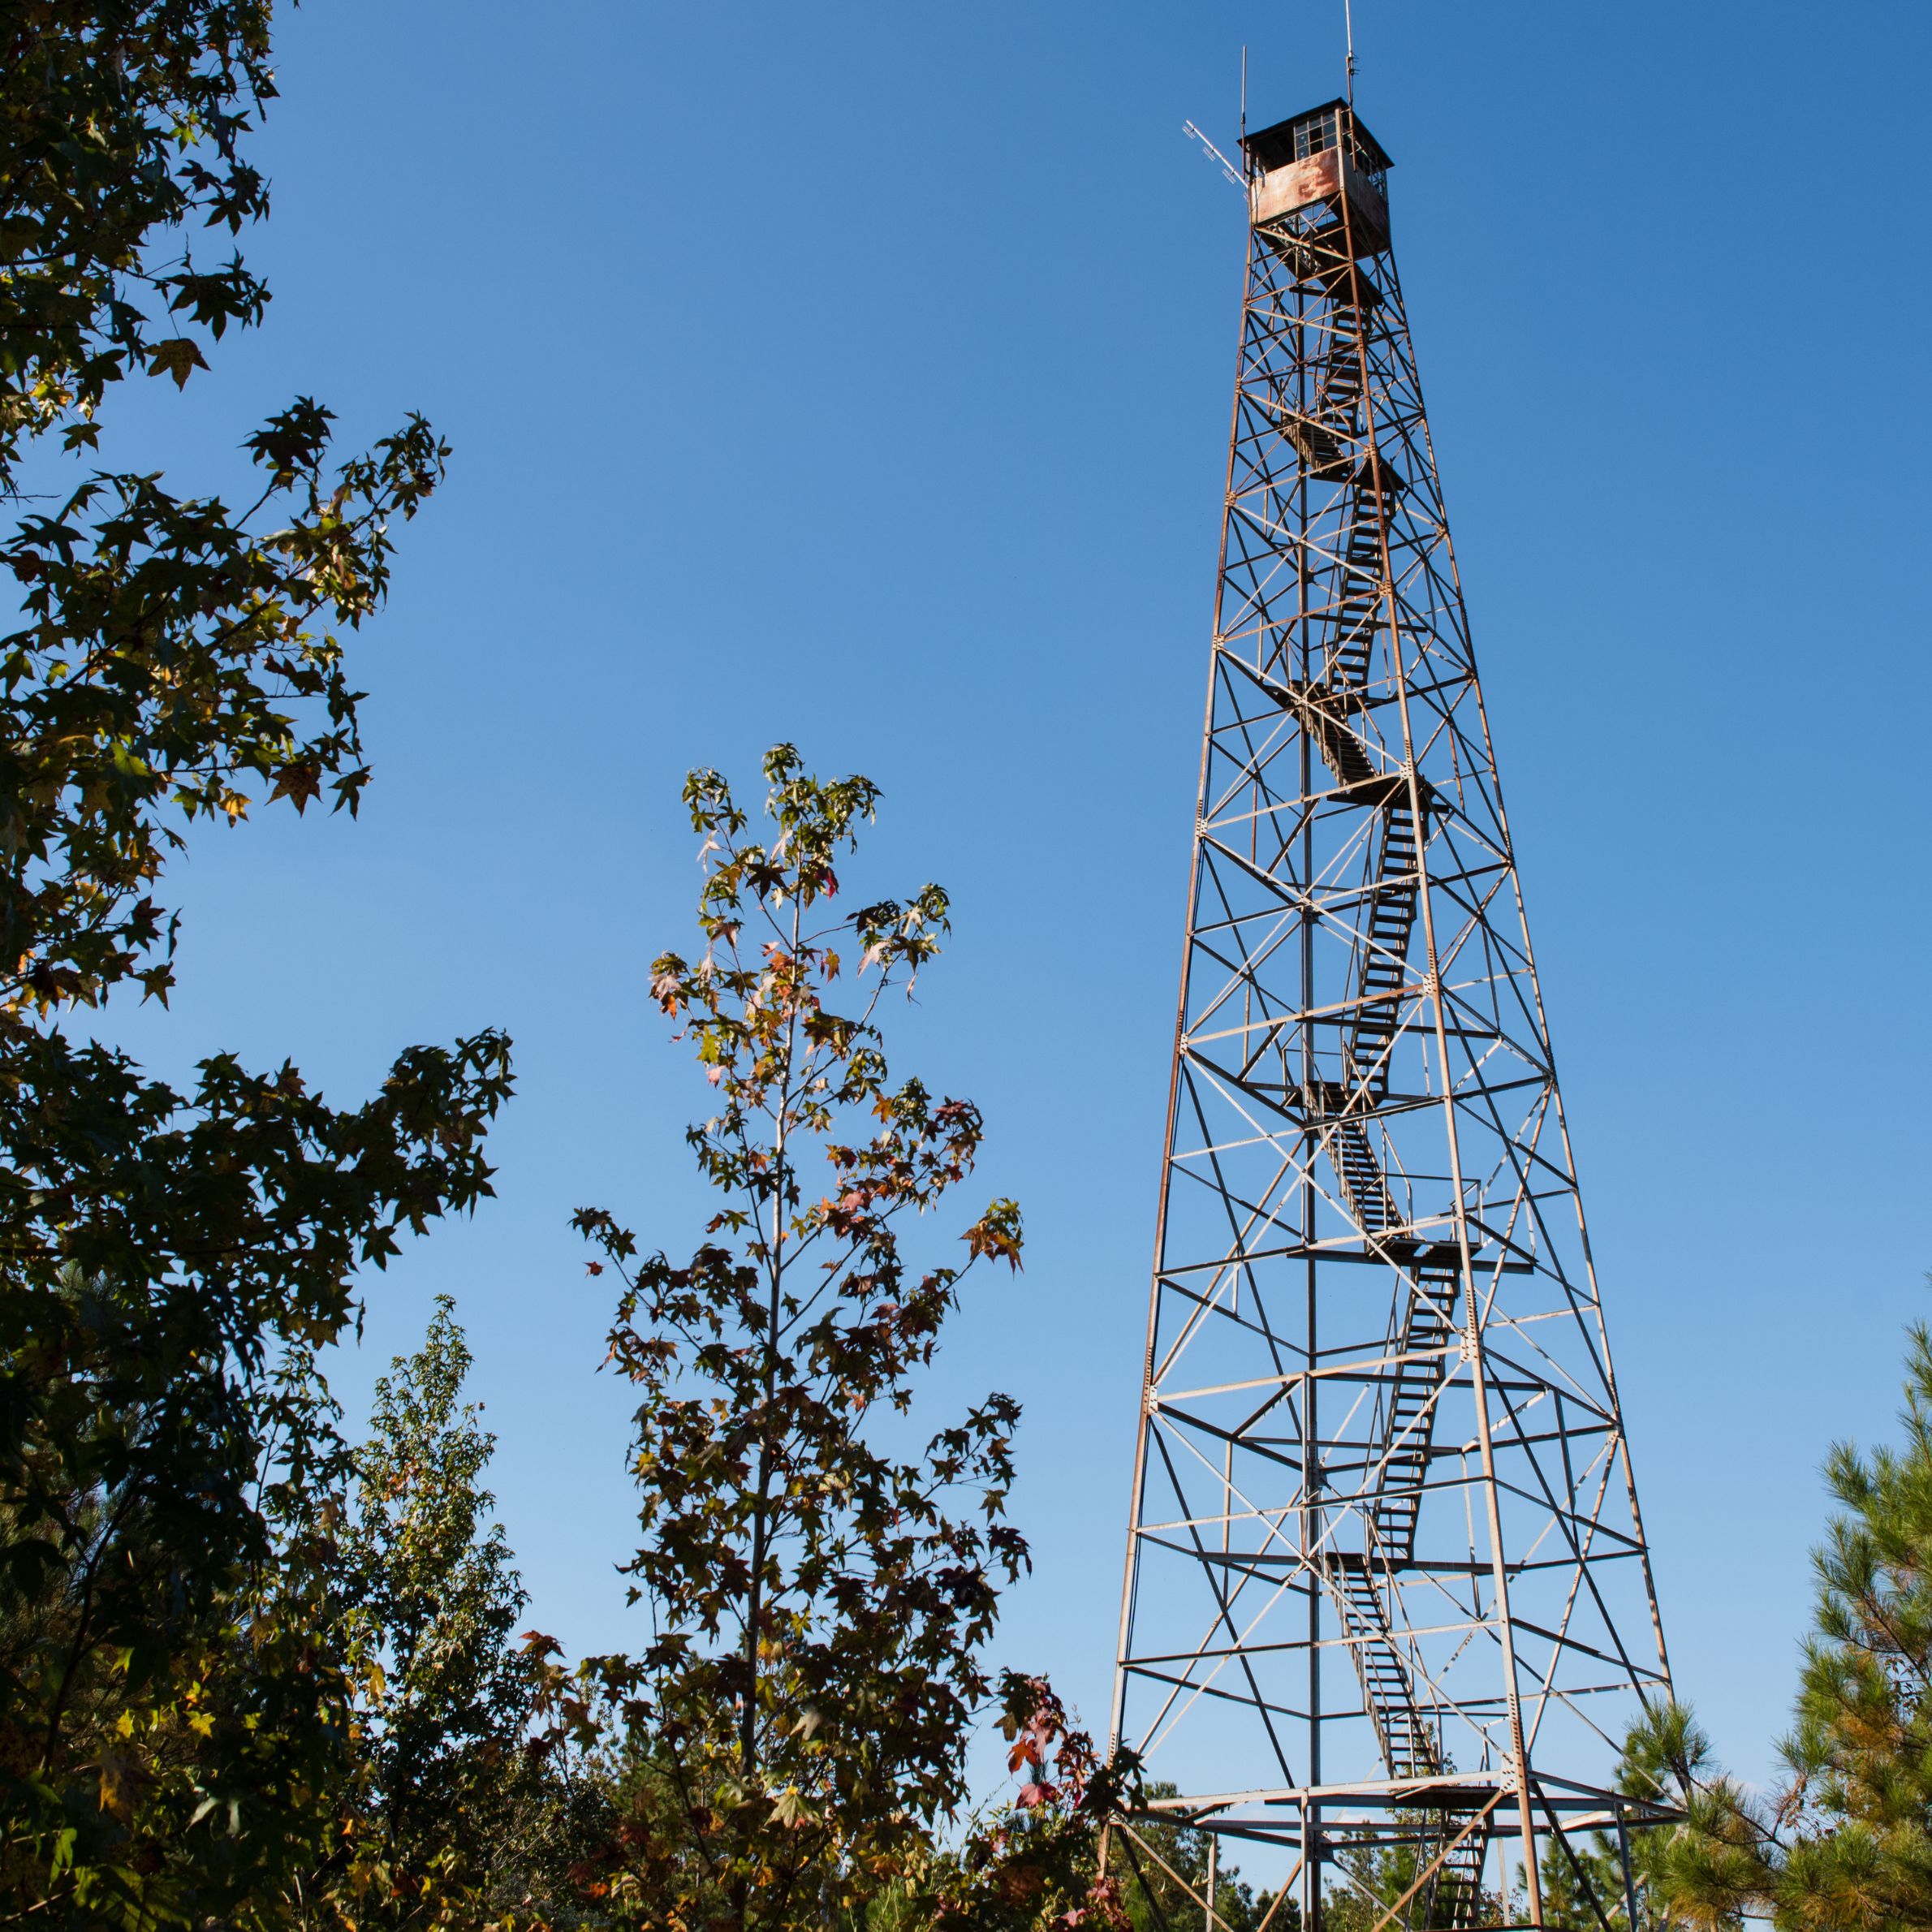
(1386, 1582)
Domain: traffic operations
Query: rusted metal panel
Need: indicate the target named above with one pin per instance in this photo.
(1300, 184)
(1321, 178)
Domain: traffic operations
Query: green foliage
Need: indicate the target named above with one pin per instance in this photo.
(1377, 1877)
(169, 1696)
(174, 1696)
(1704, 1870)
(819, 1593)
(437, 1589)
(1847, 1842)
(1583, 1876)
(167, 666)
(1160, 1872)
(121, 133)
(447, 1818)
(1035, 1862)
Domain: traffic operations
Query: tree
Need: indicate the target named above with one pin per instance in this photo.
(1846, 1840)
(448, 1815)
(1035, 1862)
(173, 1697)
(819, 1585)
(1380, 1878)
(124, 126)
(1163, 1875)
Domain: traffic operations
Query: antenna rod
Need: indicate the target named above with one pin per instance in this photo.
(1227, 167)
(1348, 26)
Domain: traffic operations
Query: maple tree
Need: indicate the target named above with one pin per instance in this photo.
(820, 1584)
(174, 1694)
(1035, 1861)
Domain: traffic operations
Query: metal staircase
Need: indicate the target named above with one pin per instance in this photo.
(1329, 441)
(1345, 1139)
(1409, 1743)
(1429, 1330)
(1383, 965)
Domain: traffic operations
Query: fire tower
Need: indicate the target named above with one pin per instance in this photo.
(1386, 1582)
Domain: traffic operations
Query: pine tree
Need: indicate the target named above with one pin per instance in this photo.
(1846, 1842)
(1162, 1874)
(1379, 1880)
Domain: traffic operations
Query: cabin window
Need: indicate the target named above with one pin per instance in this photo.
(1311, 137)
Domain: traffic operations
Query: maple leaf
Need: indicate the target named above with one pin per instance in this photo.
(177, 357)
(123, 1780)
(298, 783)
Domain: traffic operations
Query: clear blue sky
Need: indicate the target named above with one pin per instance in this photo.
(859, 375)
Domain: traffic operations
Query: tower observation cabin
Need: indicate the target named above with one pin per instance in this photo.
(1319, 161)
